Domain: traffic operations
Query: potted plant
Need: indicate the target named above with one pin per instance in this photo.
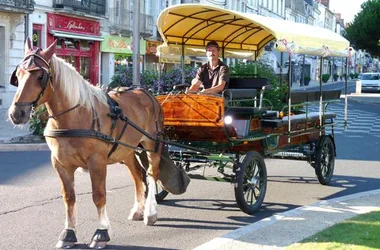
(335, 76)
(306, 80)
(325, 77)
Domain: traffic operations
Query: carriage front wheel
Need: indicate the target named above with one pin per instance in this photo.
(324, 160)
(250, 182)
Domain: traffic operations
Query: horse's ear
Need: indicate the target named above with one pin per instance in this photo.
(48, 52)
(28, 45)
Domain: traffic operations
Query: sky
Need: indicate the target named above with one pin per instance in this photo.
(348, 8)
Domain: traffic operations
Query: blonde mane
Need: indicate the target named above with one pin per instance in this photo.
(74, 87)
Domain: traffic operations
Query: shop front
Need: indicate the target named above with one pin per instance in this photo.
(78, 43)
(117, 52)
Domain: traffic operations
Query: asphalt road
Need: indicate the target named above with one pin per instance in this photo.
(32, 213)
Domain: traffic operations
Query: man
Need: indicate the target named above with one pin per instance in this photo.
(214, 75)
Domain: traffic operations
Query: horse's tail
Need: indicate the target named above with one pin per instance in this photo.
(172, 178)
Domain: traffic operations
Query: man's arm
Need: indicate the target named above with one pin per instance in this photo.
(196, 82)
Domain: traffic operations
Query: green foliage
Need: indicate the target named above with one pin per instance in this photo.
(352, 75)
(306, 80)
(325, 77)
(364, 32)
(38, 121)
(150, 79)
(276, 96)
(335, 76)
(356, 75)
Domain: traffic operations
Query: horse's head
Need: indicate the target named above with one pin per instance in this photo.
(31, 77)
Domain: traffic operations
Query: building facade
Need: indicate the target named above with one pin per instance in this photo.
(13, 30)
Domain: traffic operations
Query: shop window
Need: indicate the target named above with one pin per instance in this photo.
(85, 67)
(37, 35)
(72, 60)
(84, 45)
(71, 43)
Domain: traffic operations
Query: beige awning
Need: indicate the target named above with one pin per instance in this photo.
(193, 25)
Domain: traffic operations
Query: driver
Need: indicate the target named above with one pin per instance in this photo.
(214, 75)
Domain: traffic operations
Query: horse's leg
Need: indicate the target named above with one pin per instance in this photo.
(67, 238)
(98, 172)
(135, 170)
(150, 212)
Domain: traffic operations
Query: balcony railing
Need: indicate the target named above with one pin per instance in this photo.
(121, 22)
(92, 7)
(20, 6)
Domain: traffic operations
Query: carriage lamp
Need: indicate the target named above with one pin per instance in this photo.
(228, 120)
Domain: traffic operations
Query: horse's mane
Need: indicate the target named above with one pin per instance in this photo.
(74, 87)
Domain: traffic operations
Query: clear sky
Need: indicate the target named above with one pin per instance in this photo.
(348, 8)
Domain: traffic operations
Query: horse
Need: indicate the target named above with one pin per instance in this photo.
(85, 129)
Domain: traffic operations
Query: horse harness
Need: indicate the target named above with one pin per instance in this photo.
(115, 110)
(115, 114)
(43, 79)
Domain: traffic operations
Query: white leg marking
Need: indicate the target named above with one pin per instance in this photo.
(150, 212)
(104, 222)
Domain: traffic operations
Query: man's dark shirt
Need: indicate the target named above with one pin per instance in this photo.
(210, 77)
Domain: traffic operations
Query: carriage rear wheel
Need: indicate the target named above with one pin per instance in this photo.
(160, 193)
(251, 182)
(324, 160)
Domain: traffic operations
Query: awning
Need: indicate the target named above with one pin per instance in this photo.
(75, 36)
(175, 59)
(193, 25)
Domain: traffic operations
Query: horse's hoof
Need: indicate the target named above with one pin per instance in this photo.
(100, 239)
(136, 216)
(66, 239)
(150, 220)
(64, 244)
(98, 244)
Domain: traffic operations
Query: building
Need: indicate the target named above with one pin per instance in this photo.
(13, 30)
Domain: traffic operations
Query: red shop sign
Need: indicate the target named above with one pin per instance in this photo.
(73, 25)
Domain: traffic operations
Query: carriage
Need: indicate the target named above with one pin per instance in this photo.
(236, 130)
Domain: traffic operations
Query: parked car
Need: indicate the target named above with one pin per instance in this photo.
(370, 82)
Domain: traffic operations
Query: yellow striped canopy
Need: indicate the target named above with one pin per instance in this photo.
(241, 35)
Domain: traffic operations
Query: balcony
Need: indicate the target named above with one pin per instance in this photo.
(121, 22)
(18, 6)
(91, 7)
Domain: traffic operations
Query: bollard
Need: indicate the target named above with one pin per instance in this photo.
(358, 87)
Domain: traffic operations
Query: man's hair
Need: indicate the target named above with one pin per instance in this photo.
(212, 44)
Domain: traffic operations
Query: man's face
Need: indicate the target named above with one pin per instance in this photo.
(212, 52)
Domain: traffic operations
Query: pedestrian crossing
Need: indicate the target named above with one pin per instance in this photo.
(360, 122)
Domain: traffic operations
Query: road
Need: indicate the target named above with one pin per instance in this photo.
(32, 213)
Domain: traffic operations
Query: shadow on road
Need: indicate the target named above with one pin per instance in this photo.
(18, 164)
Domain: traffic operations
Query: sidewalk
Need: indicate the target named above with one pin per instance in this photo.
(12, 138)
(282, 230)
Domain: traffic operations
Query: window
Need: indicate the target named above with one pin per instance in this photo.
(37, 35)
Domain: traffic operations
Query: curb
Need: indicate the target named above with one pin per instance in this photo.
(233, 237)
(12, 147)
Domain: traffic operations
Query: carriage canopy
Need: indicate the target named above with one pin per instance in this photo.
(241, 35)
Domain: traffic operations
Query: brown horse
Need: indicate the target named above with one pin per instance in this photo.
(79, 131)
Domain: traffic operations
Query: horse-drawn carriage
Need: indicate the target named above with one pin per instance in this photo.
(222, 130)
(90, 129)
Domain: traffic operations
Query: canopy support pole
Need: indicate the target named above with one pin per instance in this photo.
(345, 96)
(290, 79)
(320, 94)
(183, 63)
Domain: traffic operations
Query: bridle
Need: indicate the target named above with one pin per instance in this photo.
(43, 79)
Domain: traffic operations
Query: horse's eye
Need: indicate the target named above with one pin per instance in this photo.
(40, 77)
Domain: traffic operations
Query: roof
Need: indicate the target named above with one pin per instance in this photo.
(193, 25)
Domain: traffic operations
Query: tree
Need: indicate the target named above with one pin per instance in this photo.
(364, 31)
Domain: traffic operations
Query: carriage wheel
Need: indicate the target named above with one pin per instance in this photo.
(325, 160)
(160, 193)
(251, 182)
